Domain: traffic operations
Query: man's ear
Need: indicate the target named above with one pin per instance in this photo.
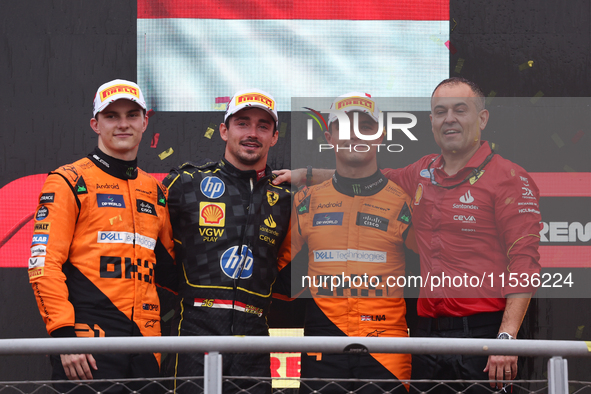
(275, 138)
(94, 125)
(224, 132)
(328, 137)
(483, 118)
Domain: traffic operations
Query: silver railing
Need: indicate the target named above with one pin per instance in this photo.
(215, 346)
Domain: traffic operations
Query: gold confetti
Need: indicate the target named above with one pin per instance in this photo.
(526, 65)
(490, 97)
(436, 39)
(282, 129)
(459, 65)
(536, 97)
(320, 140)
(557, 140)
(568, 168)
(494, 146)
(219, 106)
(113, 219)
(168, 315)
(166, 153)
(579, 333)
(209, 132)
(455, 24)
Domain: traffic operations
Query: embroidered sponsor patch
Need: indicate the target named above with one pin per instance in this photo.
(369, 220)
(47, 198)
(328, 219)
(42, 213)
(212, 214)
(146, 207)
(212, 187)
(110, 200)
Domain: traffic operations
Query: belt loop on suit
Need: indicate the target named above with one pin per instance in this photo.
(466, 326)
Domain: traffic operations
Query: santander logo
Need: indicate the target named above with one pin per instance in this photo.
(467, 198)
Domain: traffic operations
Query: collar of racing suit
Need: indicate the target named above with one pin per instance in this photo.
(233, 171)
(359, 186)
(118, 168)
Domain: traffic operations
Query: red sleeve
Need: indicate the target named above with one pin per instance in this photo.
(517, 215)
(405, 177)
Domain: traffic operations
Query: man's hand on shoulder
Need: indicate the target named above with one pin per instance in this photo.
(297, 177)
(77, 366)
(282, 176)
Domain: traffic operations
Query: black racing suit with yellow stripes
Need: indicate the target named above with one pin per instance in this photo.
(228, 227)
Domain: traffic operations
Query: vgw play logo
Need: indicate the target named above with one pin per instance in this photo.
(345, 129)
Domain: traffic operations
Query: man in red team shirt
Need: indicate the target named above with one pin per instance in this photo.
(475, 213)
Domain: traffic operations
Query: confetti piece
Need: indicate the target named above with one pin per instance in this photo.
(459, 65)
(577, 136)
(568, 168)
(220, 106)
(455, 24)
(282, 129)
(166, 153)
(113, 219)
(219, 100)
(526, 65)
(557, 140)
(451, 48)
(494, 146)
(150, 113)
(154, 142)
(579, 333)
(490, 97)
(320, 140)
(210, 130)
(588, 345)
(536, 97)
(436, 40)
(168, 315)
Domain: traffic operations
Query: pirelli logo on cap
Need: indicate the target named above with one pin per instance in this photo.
(255, 98)
(110, 91)
(357, 102)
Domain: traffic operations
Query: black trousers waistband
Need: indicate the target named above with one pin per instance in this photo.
(459, 323)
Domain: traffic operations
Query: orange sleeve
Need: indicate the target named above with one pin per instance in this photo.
(55, 221)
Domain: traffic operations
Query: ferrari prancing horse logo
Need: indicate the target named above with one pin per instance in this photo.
(272, 197)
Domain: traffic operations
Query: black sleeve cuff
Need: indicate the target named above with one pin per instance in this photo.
(64, 332)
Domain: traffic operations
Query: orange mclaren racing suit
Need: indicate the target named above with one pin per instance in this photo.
(99, 225)
(355, 231)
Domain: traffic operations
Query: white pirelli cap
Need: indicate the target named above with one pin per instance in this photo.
(252, 98)
(355, 102)
(116, 90)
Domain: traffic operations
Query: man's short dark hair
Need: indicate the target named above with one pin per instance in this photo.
(473, 86)
(227, 123)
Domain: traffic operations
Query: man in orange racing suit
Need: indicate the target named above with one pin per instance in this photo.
(99, 227)
(355, 226)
